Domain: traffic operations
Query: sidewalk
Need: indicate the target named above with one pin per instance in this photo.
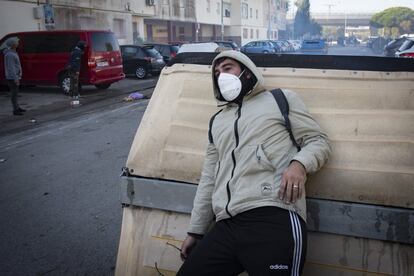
(45, 103)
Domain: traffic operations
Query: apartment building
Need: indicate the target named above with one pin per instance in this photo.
(206, 20)
(173, 21)
(125, 18)
(151, 20)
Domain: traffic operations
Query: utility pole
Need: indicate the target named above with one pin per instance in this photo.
(222, 21)
(268, 26)
(345, 24)
(293, 19)
(329, 10)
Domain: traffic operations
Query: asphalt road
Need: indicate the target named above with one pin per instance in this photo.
(45, 104)
(59, 195)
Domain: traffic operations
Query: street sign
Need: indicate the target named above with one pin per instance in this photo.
(49, 16)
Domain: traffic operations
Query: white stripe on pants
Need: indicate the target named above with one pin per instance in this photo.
(297, 239)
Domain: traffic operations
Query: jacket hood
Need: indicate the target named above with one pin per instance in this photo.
(243, 59)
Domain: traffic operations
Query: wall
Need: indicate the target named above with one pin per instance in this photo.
(25, 20)
(106, 15)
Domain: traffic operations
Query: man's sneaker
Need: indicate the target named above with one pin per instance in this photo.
(17, 112)
(21, 109)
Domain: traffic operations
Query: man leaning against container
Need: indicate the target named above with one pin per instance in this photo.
(253, 179)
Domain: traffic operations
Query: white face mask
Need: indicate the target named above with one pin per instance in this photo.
(230, 86)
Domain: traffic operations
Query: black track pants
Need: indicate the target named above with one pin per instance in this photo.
(262, 241)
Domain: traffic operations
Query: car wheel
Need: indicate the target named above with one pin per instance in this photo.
(265, 52)
(103, 85)
(140, 72)
(64, 83)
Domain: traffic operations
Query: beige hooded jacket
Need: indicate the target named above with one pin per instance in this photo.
(250, 149)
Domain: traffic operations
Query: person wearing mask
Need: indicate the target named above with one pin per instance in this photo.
(74, 67)
(13, 72)
(253, 179)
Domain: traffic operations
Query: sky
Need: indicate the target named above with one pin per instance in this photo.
(356, 5)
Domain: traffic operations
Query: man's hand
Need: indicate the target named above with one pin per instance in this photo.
(17, 82)
(292, 186)
(187, 246)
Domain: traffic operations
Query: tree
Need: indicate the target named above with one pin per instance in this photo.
(395, 21)
(303, 24)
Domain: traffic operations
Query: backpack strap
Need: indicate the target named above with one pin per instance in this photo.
(284, 108)
(210, 135)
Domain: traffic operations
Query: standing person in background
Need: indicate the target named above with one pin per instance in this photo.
(13, 72)
(74, 67)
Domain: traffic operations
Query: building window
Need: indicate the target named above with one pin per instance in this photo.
(226, 8)
(119, 28)
(251, 12)
(245, 33)
(87, 22)
(181, 33)
(251, 33)
(245, 11)
(257, 14)
(176, 8)
(208, 5)
(257, 34)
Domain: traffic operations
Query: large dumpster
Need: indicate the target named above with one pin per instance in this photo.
(360, 205)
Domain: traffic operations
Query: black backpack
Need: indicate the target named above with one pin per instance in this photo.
(284, 108)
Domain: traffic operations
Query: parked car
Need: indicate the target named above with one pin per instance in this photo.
(44, 57)
(199, 47)
(288, 45)
(228, 44)
(314, 46)
(407, 49)
(279, 46)
(141, 60)
(260, 46)
(167, 51)
(296, 44)
(393, 46)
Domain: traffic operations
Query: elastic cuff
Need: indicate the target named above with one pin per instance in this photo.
(304, 167)
(197, 236)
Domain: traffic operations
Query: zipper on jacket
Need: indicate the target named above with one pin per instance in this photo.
(233, 157)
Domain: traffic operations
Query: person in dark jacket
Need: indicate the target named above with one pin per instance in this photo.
(74, 67)
(13, 72)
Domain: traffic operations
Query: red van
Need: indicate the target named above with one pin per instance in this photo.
(45, 54)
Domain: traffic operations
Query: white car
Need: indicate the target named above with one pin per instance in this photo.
(296, 44)
(206, 47)
(407, 49)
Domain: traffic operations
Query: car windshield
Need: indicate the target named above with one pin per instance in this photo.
(174, 49)
(104, 42)
(152, 52)
(406, 45)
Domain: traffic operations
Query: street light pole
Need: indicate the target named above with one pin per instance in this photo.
(222, 22)
(268, 25)
(345, 24)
